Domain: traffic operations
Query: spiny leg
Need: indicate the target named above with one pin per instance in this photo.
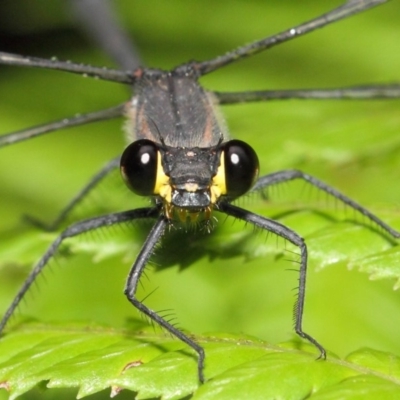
(108, 113)
(91, 185)
(74, 230)
(107, 74)
(291, 236)
(364, 92)
(347, 9)
(132, 283)
(288, 175)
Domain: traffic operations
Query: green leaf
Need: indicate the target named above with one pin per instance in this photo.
(93, 358)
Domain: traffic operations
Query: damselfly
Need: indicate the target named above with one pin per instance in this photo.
(182, 158)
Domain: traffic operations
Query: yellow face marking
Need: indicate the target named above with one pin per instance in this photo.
(162, 186)
(218, 186)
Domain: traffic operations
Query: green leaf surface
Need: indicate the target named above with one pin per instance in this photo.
(94, 358)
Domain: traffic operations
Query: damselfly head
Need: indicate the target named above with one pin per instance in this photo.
(189, 181)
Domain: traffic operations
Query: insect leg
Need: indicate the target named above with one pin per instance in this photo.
(94, 181)
(80, 69)
(108, 113)
(365, 92)
(288, 175)
(132, 283)
(291, 236)
(345, 10)
(74, 230)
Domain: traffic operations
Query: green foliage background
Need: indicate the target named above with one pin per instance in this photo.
(237, 281)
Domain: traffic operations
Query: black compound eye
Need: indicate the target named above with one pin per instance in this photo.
(138, 166)
(241, 167)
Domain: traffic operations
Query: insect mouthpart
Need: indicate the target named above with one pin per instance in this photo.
(192, 206)
(191, 197)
